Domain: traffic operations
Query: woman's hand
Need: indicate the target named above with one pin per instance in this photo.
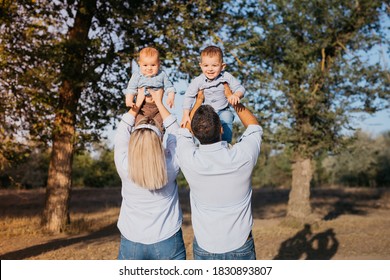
(138, 103)
(157, 95)
(140, 98)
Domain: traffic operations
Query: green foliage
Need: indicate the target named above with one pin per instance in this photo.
(273, 169)
(82, 165)
(365, 162)
(301, 62)
(304, 62)
(181, 180)
(96, 171)
(36, 57)
(29, 173)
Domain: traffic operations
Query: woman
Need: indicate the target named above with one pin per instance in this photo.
(150, 217)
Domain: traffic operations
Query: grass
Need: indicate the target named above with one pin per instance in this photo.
(80, 223)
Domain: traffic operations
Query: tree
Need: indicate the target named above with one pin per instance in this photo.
(307, 59)
(365, 162)
(67, 62)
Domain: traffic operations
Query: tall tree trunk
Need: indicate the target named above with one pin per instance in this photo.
(299, 199)
(56, 212)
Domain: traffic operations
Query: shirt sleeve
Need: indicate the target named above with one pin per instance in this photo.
(168, 85)
(191, 93)
(234, 83)
(121, 143)
(132, 86)
(185, 145)
(171, 127)
(250, 142)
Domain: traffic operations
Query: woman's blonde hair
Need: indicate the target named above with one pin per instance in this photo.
(147, 165)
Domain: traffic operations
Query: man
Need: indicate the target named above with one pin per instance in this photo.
(219, 177)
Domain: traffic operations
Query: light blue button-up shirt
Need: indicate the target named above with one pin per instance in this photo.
(214, 91)
(219, 177)
(137, 80)
(147, 216)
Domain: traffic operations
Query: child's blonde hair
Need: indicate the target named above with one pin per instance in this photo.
(147, 165)
(149, 51)
(212, 51)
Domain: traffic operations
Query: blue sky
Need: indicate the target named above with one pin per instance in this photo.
(375, 124)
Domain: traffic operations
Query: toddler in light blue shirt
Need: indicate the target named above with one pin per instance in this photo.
(211, 82)
(149, 76)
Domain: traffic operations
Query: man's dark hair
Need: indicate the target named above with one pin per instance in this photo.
(206, 125)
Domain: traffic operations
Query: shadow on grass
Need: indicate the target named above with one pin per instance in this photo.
(305, 245)
(110, 230)
(272, 203)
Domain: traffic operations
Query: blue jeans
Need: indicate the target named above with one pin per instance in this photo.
(226, 116)
(245, 252)
(168, 249)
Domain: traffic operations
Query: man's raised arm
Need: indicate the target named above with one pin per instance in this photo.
(243, 113)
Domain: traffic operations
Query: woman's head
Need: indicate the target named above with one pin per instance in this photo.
(147, 165)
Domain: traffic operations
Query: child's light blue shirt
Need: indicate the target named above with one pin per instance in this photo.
(137, 80)
(214, 91)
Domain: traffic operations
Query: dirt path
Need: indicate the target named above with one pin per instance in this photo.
(349, 224)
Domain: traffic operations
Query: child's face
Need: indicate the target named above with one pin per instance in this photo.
(149, 65)
(211, 66)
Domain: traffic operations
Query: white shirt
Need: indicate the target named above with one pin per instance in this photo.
(220, 188)
(147, 216)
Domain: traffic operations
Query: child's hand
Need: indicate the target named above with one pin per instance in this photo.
(171, 99)
(185, 119)
(130, 100)
(234, 100)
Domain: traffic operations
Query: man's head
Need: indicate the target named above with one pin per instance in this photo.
(206, 125)
(211, 62)
(149, 61)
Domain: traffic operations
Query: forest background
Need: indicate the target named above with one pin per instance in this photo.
(307, 67)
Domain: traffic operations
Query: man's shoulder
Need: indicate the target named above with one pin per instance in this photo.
(253, 130)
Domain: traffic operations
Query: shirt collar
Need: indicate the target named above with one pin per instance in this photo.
(213, 147)
(216, 78)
